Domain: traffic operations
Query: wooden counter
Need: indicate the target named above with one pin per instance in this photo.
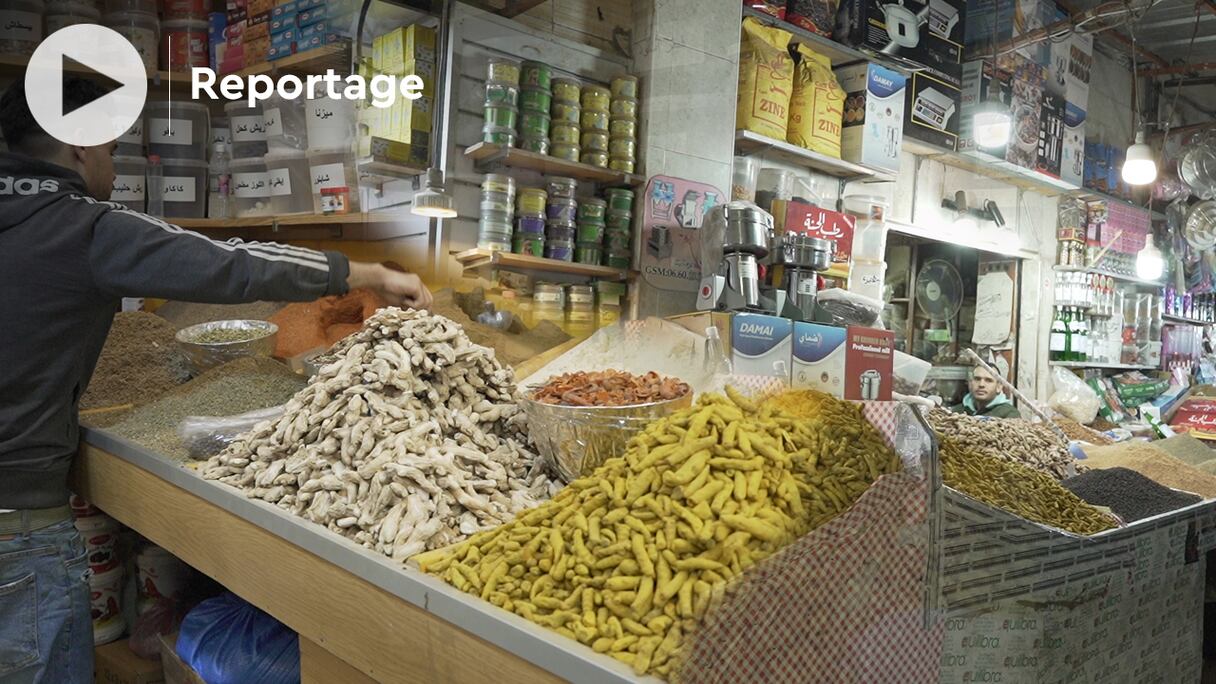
(361, 617)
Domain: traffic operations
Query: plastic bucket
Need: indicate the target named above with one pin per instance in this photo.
(330, 125)
(185, 188)
(142, 31)
(161, 574)
(250, 189)
(288, 182)
(867, 278)
(99, 534)
(183, 44)
(286, 125)
(130, 182)
(247, 126)
(177, 130)
(105, 605)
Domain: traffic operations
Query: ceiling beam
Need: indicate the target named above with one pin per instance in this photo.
(1110, 34)
(1183, 69)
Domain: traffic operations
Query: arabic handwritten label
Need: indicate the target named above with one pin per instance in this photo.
(220, 135)
(328, 125)
(250, 185)
(160, 132)
(279, 182)
(128, 188)
(23, 26)
(135, 135)
(274, 123)
(180, 189)
(248, 128)
(328, 176)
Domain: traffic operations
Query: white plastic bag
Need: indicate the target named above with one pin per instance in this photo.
(206, 436)
(1073, 398)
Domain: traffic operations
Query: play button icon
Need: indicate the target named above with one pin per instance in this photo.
(101, 55)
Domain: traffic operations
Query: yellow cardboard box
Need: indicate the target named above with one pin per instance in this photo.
(411, 115)
(402, 46)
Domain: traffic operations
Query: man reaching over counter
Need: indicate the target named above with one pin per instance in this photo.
(67, 258)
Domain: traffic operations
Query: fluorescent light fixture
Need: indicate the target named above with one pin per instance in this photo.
(433, 201)
(1139, 167)
(1150, 262)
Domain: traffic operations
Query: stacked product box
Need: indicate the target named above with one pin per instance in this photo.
(406, 125)
(1020, 84)
(848, 363)
(1068, 77)
(927, 36)
(872, 131)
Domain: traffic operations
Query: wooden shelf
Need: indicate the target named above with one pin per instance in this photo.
(1087, 194)
(1182, 319)
(839, 53)
(509, 261)
(299, 220)
(14, 65)
(748, 143)
(487, 153)
(335, 56)
(1103, 366)
(389, 161)
(988, 166)
(1116, 276)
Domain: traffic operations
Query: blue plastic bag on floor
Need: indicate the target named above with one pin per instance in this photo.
(229, 641)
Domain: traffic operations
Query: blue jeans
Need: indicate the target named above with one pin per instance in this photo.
(46, 629)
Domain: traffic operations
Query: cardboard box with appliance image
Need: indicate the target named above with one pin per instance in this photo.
(993, 22)
(1072, 62)
(848, 363)
(919, 33)
(931, 113)
(872, 134)
(802, 218)
(1051, 134)
(761, 345)
(1022, 82)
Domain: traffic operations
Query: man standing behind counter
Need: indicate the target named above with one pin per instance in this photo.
(985, 397)
(67, 258)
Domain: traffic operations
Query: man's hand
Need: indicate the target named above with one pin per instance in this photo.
(396, 287)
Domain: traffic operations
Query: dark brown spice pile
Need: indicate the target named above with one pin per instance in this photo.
(1129, 494)
(139, 362)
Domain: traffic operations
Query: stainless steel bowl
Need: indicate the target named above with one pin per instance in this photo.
(808, 252)
(205, 355)
(578, 439)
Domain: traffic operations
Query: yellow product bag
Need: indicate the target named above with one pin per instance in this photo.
(766, 80)
(817, 107)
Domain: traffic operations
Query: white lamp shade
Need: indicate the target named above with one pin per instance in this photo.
(1139, 168)
(991, 125)
(1150, 262)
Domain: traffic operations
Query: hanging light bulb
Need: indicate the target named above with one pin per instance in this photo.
(991, 124)
(1150, 262)
(1139, 167)
(433, 201)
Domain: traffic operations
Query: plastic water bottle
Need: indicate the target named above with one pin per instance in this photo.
(221, 177)
(156, 186)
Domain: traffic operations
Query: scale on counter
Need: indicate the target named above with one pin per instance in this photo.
(933, 107)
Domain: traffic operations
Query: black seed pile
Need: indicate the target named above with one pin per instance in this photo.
(1129, 494)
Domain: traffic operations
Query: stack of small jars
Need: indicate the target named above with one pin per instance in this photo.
(502, 101)
(530, 222)
(497, 210)
(623, 125)
(535, 100)
(618, 240)
(565, 129)
(560, 214)
(589, 248)
(595, 117)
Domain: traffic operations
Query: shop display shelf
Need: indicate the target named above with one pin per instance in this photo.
(1104, 366)
(389, 161)
(1088, 194)
(748, 143)
(1116, 276)
(1183, 319)
(839, 53)
(991, 167)
(335, 56)
(509, 261)
(296, 220)
(487, 153)
(12, 66)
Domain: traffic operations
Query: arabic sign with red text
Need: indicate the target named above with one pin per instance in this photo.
(1196, 415)
(813, 221)
(673, 210)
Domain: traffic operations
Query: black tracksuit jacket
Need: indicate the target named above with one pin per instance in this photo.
(66, 260)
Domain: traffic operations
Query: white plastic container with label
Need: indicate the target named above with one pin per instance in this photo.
(105, 604)
(330, 124)
(161, 574)
(289, 182)
(185, 188)
(248, 128)
(20, 26)
(286, 129)
(250, 189)
(61, 14)
(177, 130)
(333, 169)
(130, 182)
(142, 30)
(867, 278)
